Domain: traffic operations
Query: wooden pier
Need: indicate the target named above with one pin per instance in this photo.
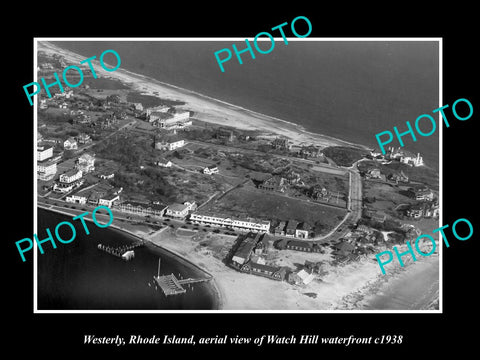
(170, 285)
(120, 251)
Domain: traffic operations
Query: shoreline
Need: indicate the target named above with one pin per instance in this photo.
(212, 286)
(348, 288)
(210, 109)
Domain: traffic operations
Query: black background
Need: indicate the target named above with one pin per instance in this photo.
(60, 335)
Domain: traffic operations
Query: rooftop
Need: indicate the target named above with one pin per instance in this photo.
(145, 205)
(177, 207)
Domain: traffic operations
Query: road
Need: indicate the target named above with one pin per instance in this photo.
(354, 207)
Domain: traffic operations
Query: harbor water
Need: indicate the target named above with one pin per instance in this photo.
(79, 276)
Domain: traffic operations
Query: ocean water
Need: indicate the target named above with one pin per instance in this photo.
(346, 89)
(78, 276)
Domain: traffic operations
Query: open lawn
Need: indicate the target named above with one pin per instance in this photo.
(385, 197)
(248, 201)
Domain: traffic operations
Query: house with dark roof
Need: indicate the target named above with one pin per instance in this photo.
(268, 271)
(307, 246)
(279, 230)
(245, 249)
(274, 183)
(291, 228)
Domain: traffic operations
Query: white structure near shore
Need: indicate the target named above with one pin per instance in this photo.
(247, 224)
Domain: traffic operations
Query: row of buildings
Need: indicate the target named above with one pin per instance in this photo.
(423, 210)
(241, 224)
(247, 258)
(293, 229)
(398, 155)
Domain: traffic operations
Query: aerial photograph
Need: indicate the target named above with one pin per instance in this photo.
(258, 188)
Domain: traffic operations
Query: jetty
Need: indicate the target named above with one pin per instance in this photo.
(170, 285)
(124, 252)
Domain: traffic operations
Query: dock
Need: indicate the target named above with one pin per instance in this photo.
(170, 285)
(124, 252)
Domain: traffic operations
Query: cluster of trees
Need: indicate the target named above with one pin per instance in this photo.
(344, 156)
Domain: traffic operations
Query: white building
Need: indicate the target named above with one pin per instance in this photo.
(46, 170)
(70, 144)
(108, 200)
(164, 163)
(71, 176)
(85, 163)
(210, 170)
(412, 161)
(169, 144)
(159, 109)
(76, 198)
(168, 141)
(169, 121)
(44, 152)
(237, 224)
(177, 211)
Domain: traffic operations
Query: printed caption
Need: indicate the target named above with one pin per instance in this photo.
(350, 340)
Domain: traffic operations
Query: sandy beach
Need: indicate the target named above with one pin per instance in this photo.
(206, 108)
(354, 286)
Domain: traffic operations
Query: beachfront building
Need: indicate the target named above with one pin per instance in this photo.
(138, 208)
(245, 248)
(44, 151)
(268, 271)
(298, 245)
(246, 224)
(71, 176)
(86, 163)
(309, 151)
(281, 144)
(412, 160)
(156, 109)
(169, 120)
(46, 170)
(68, 181)
(99, 194)
(179, 211)
(301, 277)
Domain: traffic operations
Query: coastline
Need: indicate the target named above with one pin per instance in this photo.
(355, 286)
(343, 288)
(212, 286)
(209, 109)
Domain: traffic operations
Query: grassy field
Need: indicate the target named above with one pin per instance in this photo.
(344, 156)
(386, 197)
(248, 201)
